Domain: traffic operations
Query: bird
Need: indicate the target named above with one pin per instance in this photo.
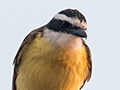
(54, 56)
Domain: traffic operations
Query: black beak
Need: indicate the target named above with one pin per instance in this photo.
(78, 32)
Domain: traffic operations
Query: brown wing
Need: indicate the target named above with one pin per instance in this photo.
(89, 61)
(18, 58)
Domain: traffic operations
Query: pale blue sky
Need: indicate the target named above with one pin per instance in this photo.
(19, 17)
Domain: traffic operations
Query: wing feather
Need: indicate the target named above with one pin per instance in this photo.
(89, 62)
(18, 58)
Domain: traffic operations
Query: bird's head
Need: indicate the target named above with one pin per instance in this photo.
(69, 21)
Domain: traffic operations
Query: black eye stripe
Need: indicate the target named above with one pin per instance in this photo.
(59, 25)
(67, 25)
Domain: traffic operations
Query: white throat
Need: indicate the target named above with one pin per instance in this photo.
(63, 40)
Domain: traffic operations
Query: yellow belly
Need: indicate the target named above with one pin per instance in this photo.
(45, 67)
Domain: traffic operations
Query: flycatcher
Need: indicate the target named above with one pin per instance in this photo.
(54, 56)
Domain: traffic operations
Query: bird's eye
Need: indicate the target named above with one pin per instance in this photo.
(65, 24)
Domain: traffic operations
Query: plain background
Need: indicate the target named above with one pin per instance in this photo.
(19, 17)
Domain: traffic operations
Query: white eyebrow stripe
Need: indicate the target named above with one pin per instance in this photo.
(65, 18)
(73, 21)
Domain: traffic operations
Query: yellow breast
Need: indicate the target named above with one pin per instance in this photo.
(45, 67)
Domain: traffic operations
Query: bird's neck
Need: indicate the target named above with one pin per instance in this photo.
(63, 40)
